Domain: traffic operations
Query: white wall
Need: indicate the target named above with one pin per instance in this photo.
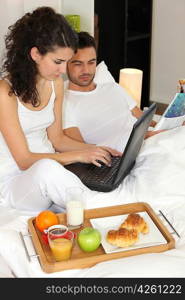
(29, 5)
(11, 10)
(168, 49)
(84, 8)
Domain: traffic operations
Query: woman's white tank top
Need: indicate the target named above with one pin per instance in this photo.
(34, 125)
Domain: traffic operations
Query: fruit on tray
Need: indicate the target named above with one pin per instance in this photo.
(89, 239)
(45, 219)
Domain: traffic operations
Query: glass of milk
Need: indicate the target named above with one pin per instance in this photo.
(75, 207)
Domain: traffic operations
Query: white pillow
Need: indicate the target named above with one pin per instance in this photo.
(102, 75)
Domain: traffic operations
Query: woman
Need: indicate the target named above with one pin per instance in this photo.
(33, 148)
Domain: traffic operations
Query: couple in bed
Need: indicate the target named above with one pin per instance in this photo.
(33, 146)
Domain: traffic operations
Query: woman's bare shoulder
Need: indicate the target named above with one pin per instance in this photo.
(5, 92)
(4, 85)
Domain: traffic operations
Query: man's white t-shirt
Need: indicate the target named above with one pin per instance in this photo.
(102, 115)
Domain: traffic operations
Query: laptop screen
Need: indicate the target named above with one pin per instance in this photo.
(134, 143)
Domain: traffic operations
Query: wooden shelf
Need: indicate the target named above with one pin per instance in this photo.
(134, 37)
(126, 42)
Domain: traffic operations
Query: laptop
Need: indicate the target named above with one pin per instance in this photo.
(106, 179)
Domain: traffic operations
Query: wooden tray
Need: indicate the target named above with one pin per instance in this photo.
(80, 259)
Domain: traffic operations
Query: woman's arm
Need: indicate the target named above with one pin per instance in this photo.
(13, 133)
(74, 133)
(16, 141)
(60, 141)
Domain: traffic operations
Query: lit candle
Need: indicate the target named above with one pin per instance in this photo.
(131, 80)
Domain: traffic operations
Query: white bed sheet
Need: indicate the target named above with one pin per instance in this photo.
(157, 178)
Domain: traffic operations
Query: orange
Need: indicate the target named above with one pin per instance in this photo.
(45, 219)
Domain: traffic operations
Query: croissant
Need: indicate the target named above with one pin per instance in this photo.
(122, 237)
(135, 221)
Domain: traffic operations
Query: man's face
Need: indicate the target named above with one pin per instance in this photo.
(81, 67)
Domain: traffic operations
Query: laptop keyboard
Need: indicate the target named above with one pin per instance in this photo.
(103, 174)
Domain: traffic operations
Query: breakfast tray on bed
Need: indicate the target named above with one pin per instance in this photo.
(80, 259)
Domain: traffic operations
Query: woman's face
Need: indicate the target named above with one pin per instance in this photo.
(52, 64)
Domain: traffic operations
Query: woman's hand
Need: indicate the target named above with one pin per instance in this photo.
(103, 154)
(113, 152)
(95, 155)
(98, 155)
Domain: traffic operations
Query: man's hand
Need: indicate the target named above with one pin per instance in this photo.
(151, 133)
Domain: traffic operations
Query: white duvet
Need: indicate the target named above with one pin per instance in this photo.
(157, 178)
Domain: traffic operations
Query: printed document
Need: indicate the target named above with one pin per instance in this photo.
(174, 115)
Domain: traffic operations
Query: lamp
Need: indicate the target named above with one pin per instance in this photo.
(131, 80)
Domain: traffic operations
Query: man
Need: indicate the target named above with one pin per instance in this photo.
(97, 113)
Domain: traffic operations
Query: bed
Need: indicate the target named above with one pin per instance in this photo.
(158, 178)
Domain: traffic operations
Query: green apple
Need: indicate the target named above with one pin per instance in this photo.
(89, 239)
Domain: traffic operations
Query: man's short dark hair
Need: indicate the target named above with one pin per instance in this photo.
(85, 40)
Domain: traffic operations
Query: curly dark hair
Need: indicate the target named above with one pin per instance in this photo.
(44, 29)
